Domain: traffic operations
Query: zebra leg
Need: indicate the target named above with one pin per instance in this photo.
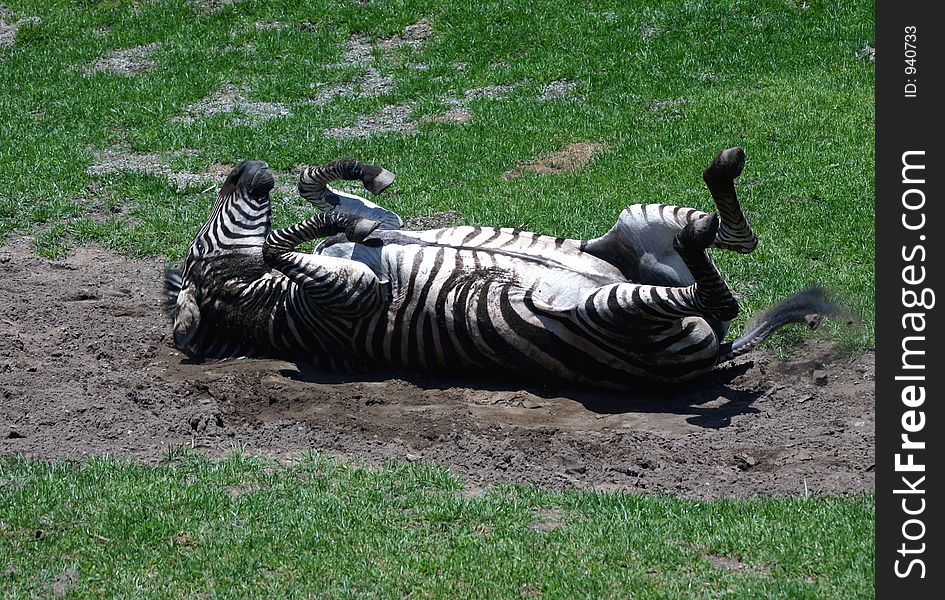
(313, 181)
(313, 186)
(711, 294)
(337, 286)
(625, 306)
(734, 232)
(641, 243)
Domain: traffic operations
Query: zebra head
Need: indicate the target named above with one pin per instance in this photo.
(224, 257)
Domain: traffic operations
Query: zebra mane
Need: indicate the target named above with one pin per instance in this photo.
(173, 281)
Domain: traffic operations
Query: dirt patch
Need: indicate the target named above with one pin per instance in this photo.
(573, 157)
(117, 161)
(107, 162)
(733, 564)
(412, 37)
(437, 220)
(86, 367)
(10, 25)
(125, 61)
(649, 32)
(868, 52)
(458, 111)
(66, 581)
(547, 520)
(668, 109)
(231, 99)
(390, 119)
(211, 5)
(559, 89)
(359, 52)
(453, 115)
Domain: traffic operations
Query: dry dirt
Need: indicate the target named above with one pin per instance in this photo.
(125, 61)
(231, 99)
(573, 157)
(560, 89)
(10, 25)
(86, 368)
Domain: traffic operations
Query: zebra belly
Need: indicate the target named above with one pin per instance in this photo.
(499, 310)
(557, 266)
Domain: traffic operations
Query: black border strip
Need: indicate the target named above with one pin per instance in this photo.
(910, 264)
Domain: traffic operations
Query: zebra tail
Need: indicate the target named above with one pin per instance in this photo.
(805, 306)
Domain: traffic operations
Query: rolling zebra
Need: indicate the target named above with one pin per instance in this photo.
(642, 301)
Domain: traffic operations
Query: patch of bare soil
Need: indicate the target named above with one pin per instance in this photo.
(115, 161)
(437, 220)
(10, 24)
(86, 367)
(458, 111)
(389, 119)
(668, 109)
(560, 89)
(573, 157)
(359, 52)
(107, 162)
(232, 100)
(733, 564)
(125, 61)
(211, 5)
(868, 52)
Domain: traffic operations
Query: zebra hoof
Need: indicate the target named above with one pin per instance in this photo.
(697, 235)
(360, 229)
(727, 166)
(380, 182)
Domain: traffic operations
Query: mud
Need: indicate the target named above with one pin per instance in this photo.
(86, 368)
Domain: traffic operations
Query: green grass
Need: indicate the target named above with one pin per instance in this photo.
(242, 527)
(781, 78)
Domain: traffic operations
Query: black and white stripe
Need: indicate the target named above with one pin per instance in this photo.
(644, 300)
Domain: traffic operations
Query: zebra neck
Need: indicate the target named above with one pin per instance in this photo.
(279, 319)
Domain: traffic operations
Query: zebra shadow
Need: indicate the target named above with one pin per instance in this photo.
(688, 399)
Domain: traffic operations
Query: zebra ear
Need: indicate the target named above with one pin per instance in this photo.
(187, 319)
(173, 281)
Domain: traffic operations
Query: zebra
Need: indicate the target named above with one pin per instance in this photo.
(643, 301)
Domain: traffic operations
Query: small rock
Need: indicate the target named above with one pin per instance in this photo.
(803, 399)
(530, 404)
(745, 461)
(413, 457)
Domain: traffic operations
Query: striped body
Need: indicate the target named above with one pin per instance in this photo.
(642, 301)
(499, 299)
